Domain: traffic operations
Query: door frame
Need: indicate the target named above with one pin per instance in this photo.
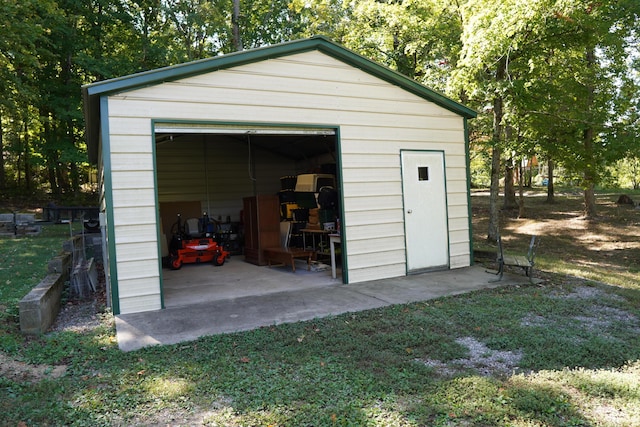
(446, 212)
(162, 125)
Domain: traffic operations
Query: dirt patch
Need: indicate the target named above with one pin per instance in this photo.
(76, 316)
(21, 372)
(482, 359)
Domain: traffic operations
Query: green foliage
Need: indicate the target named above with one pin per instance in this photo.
(565, 73)
(561, 74)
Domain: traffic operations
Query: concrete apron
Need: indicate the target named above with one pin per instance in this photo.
(189, 322)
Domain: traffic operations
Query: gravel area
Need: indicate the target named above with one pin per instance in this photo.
(82, 316)
(79, 316)
(482, 359)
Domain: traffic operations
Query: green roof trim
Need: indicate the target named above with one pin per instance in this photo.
(93, 92)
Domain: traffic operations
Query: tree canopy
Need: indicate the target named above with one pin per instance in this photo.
(553, 78)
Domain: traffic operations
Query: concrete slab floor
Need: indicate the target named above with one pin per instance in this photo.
(211, 316)
(196, 283)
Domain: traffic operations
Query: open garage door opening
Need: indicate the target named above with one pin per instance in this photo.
(264, 195)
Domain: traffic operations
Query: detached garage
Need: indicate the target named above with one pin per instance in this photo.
(221, 136)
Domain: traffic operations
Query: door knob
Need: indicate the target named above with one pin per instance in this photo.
(409, 211)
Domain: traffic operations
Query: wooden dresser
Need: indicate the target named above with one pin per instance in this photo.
(261, 226)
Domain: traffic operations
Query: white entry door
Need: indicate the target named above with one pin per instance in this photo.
(425, 210)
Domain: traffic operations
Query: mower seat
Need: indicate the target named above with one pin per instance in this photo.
(193, 228)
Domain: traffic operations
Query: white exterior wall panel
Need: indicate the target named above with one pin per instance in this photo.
(133, 180)
(376, 121)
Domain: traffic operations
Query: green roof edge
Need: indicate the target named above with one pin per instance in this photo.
(92, 92)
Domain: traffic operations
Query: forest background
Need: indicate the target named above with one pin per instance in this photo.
(555, 82)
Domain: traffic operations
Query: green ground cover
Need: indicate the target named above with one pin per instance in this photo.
(564, 352)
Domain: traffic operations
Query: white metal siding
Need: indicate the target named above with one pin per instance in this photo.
(376, 121)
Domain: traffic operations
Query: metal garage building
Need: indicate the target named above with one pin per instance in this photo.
(208, 133)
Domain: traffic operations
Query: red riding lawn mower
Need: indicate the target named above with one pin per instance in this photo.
(193, 243)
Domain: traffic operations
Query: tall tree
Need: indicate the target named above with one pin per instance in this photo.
(586, 55)
(22, 36)
(570, 52)
(201, 28)
(418, 38)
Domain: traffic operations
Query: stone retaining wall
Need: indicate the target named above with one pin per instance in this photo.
(40, 307)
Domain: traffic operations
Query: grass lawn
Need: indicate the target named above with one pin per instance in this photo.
(565, 352)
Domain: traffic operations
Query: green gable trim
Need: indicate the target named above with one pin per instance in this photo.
(92, 92)
(108, 194)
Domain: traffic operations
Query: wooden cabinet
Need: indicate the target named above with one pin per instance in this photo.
(261, 226)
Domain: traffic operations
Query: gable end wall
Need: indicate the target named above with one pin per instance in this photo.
(376, 120)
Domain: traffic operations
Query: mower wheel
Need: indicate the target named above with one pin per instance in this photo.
(219, 260)
(175, 263)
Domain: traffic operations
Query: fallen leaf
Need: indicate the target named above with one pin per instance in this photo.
(245, 359)
(141, 373)
(301, 338)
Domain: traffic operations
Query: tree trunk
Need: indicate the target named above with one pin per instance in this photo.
(51, 172)
(521, 210)
(3, 181)
(590, 211)
(494, 213)
(551, 197)
(73, 166)
(60, 175)
(235, 22)
(590, 202)
(50, 154)
(27, 160)
(590, 173)
(509, 189)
